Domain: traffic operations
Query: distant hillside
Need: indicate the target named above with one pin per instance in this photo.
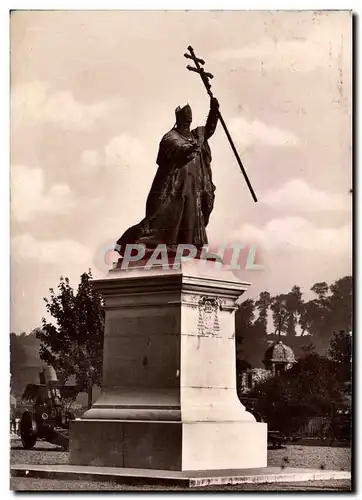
(25, 365)
(25, 362)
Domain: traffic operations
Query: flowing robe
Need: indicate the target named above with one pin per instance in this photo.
(182, 194)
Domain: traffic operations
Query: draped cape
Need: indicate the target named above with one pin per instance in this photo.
(182, 194)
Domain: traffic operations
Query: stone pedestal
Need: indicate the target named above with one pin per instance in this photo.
(169, 396)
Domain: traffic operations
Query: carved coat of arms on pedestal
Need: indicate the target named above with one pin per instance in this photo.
(208, 322)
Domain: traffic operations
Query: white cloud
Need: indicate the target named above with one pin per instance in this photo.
(36, 102)
(296, 233)
(297, 55)
(298, 195)
(90, 159)
(316, 50)
(248, 133)
(28, 196)
(124, 151)
(26, 247)
(132, 167)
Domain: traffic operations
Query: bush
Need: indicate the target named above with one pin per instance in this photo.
(308, 389)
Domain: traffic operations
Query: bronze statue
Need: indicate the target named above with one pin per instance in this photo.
(182, 195)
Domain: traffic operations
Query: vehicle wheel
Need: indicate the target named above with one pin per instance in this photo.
(28, 431)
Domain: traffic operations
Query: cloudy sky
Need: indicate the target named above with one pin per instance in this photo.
(92, 93)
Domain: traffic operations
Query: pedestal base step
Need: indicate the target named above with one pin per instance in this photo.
(189, 479)
(174, 446)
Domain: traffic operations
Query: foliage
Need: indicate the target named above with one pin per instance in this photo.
(316, 384)
(316, 319)
(340, 351)
(262, 305)
(332, 309)
(294, 305)
(242, 365)
(279, 307)
(259, 375)
(250, 336)
(244, 319)
(308, 348)
(286, 309)
(341, 347)
(341, 303)
(74, 345)
(308, 389)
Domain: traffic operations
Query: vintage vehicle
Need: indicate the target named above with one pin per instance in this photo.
(49, 416)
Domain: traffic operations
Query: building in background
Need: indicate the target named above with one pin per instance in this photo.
(277, 359)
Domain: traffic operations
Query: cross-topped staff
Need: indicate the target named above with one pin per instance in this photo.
(205, 77)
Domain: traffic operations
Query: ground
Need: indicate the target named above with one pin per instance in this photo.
(336, 458)
(22, 484)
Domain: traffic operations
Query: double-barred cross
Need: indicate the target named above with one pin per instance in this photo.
(205, 77)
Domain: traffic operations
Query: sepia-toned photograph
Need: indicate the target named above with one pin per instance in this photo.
(181, 201)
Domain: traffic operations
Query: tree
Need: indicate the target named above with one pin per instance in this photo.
(294, 305)
(244, 321)
(340, 351)
(321, 289)
(341, 303)
(74, 345)
(262, 305)
(279, 307)
(320, 311)
(250, 336)
(308, 314)
(332, 310)
(329, 310)
(308, 348)
(308, 389)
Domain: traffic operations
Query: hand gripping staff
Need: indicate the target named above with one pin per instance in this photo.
(205, 77)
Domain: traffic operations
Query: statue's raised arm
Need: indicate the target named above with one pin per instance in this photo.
(212, 118)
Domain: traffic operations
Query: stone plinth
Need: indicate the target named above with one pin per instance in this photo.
(169, 396)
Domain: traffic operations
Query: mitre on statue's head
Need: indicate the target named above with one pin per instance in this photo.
(184, 113)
